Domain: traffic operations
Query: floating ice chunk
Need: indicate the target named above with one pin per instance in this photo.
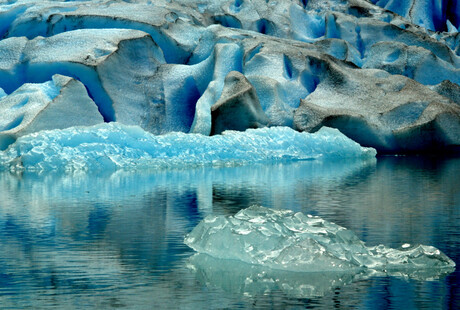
(113, 145)
(282, 239)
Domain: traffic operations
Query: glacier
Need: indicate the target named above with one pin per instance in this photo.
(111, 146)
(288, 241)
(384, 73)
(59, 103)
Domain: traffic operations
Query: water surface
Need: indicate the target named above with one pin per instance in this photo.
(116, 240)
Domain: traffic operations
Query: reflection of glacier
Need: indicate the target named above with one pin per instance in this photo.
(112, 146)
(82, 233)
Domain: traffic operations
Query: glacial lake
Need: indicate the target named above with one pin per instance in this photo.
(115, 240)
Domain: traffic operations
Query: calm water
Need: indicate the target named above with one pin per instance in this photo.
(116, 240)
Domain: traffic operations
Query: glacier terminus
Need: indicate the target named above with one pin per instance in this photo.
(384, 73)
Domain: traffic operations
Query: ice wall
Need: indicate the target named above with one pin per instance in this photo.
(111, 146)
(162, 64)
(56, 104)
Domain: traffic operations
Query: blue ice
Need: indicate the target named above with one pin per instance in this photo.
(110, 146)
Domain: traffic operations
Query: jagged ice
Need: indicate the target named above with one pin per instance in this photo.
(282, 239)
(109, 146)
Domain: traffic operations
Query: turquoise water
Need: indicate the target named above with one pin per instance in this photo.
(116, 240)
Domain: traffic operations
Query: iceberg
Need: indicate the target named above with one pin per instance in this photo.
(288, 241)
(110, 146)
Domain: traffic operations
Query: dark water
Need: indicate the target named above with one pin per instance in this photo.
(116, 240)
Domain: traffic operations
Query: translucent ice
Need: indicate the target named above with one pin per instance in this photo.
(113, 145)
(282, 239)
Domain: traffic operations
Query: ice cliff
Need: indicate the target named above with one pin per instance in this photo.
(288, 241)
(384, 73)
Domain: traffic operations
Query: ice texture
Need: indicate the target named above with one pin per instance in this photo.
(56, 104)
(162, 64)
(113, 145)
(397, 115)
(282, 239)
(433, 15)
(238, 107)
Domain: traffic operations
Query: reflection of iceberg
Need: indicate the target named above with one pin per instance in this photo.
(112, 146)
(238, 277)
(291, 241)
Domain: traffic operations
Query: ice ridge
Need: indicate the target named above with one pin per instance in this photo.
(109, 146)
(284, 240)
